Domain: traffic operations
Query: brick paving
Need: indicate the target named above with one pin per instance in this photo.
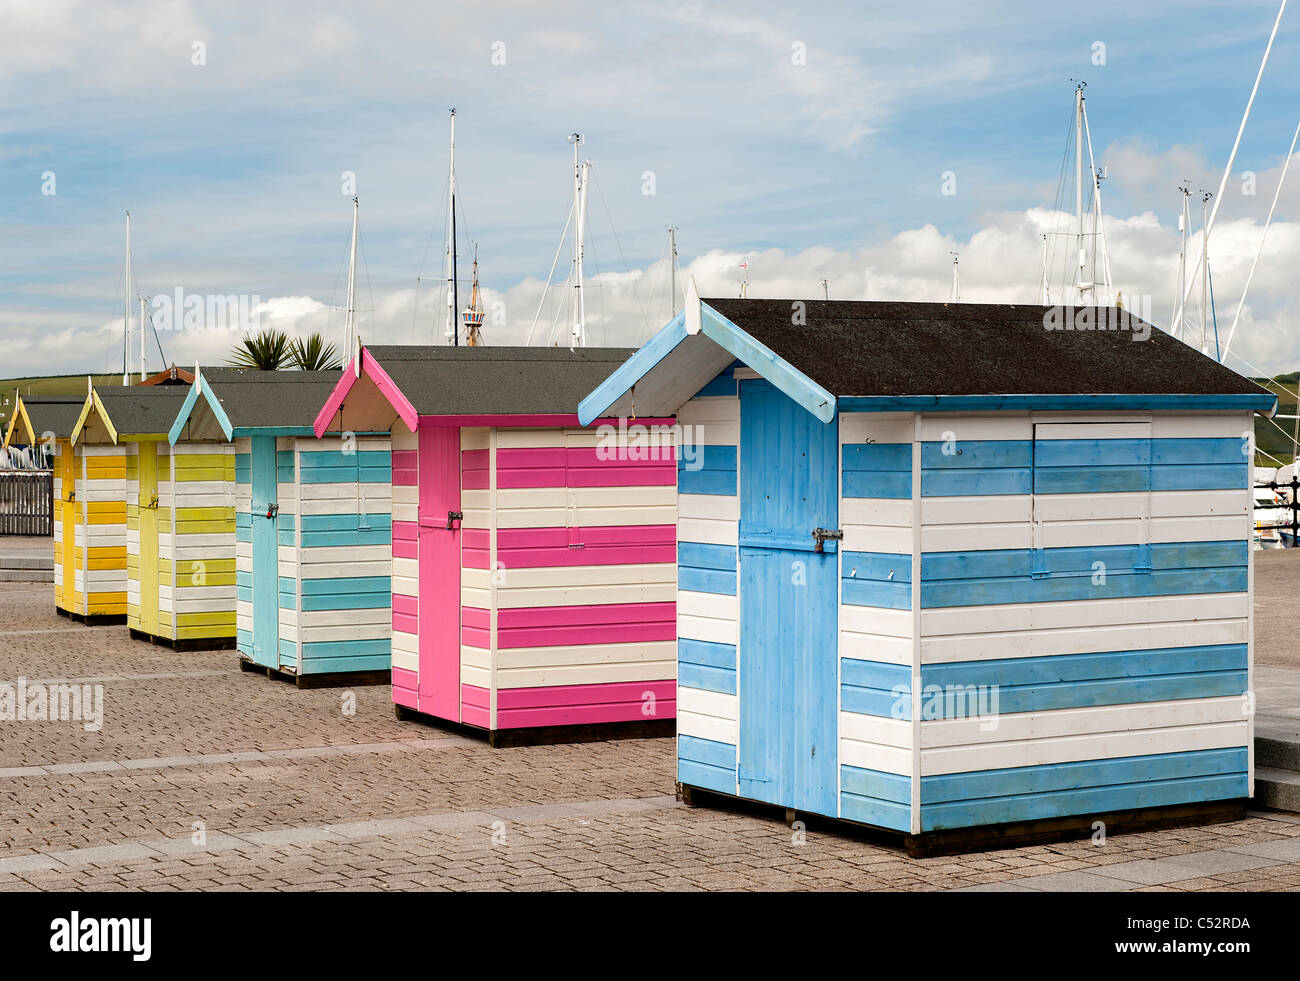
(324, 790)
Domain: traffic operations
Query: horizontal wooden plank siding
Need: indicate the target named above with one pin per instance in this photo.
(335, 525)
(876, 630)
(1085, 614)
(707, 607)
(99, 539)
(568, 574)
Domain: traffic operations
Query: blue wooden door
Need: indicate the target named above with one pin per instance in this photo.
(789, 602)
(266, 565)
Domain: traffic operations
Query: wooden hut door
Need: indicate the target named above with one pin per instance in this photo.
(438, 689)
(68, 516)
(147, 506)
(789, 602)
(266, 563)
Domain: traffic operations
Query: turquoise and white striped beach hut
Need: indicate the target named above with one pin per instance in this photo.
(313, 526)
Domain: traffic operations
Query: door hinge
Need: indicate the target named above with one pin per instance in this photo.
(823, 535)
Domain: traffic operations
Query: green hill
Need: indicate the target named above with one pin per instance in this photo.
(48, 385)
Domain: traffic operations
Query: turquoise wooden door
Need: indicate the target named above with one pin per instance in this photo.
(266, 565)
(789, 602)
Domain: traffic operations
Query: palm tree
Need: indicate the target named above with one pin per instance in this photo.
(267, 350)
(314, 354)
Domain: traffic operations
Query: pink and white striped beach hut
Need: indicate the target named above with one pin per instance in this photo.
(534, 560)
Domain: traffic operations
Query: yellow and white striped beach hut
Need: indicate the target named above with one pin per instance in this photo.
(179, 518)
(48, 421)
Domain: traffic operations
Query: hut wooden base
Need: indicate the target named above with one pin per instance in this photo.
(194, 644)
(343, 679)
(958, 841)
(92, 619)
(548, 735)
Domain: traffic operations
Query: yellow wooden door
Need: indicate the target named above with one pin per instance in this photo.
(67, 516)
(149, 538)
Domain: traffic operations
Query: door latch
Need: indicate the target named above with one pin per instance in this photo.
(822, 535)
(453, 516)
(272, 510)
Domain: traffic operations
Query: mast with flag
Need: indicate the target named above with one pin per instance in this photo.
(472, 314)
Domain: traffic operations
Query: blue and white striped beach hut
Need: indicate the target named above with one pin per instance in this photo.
(956, 570)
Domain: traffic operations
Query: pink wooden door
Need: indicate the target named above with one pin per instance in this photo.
(439, 686)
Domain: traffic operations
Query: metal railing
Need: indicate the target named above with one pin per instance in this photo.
(26, 502)
(1293, 505)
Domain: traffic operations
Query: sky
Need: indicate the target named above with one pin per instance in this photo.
(857, 143)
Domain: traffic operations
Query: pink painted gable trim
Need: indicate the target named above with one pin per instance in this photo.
(331, 407)
(387, 387)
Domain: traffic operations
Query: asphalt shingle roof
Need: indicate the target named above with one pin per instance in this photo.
(271, 398)
(441, 380)
(865, 348)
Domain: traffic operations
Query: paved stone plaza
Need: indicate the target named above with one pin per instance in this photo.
(204, 777)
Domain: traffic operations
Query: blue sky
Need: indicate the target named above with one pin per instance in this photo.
(831, 168)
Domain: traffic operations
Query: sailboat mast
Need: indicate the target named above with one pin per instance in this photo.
(126, 321)
(1099, 221)
(580, 220)
(143, 334)
(1078, 185)
(350, 316)
(473, 315)
(453, 334)
(1046, 294)
(580, 334)
(672, 271)
(1205, 266)
(1184, 220)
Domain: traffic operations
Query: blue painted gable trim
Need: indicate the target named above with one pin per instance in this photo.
(767, 363)
(1263, 402)
(717, 328)
(191, 400)
(632, 370)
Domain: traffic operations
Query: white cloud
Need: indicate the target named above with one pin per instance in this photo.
(1000, 263)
